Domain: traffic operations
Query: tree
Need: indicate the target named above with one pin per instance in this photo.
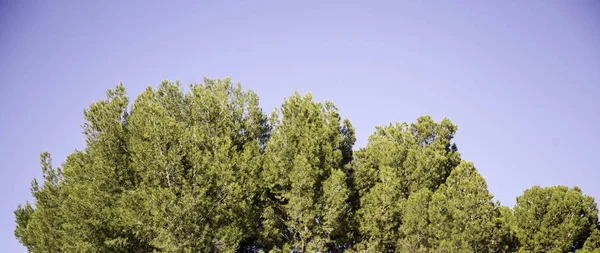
(554, 219)
(415, 232)
(199, 157)
(96, 180)
(305, 197)
(464, 218)
(39, 229)
(177, 174)
(592, 244)
(398, 161)
(77, 210)
(203, 169)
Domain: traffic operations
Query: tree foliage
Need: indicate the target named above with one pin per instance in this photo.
(554, 219)
(305, 183)
(592, 244)
(203, 169)
(398, 161)
(464, 217)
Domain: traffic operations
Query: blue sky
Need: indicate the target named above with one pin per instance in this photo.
(521, 79)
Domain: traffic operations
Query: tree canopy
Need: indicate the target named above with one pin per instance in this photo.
(203, 168)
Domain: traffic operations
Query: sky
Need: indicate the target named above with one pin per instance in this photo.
(521, 79)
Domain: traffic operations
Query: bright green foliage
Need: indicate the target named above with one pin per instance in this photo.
(553, 219)
(398, 161)
(592, 244)
(463, 216)
(508, 224)
(202, 169)
(415, 233)
(96, 180)
(23, 216)
(39, 229)
(198, 156)
(177, 175)
(305, 183)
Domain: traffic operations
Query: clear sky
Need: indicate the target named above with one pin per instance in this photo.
(521, 79)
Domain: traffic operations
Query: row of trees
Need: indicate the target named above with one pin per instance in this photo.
(204, 169)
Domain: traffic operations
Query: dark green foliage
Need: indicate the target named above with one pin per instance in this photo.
(202, 169)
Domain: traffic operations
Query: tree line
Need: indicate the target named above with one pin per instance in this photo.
(205, 169)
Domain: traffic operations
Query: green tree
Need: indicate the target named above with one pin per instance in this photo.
(415, 233)
(306, 192)
(199, 157)
(553, 219)
(464, 218)
(399, 160)
(96, 180)
(78, 209)
(177, 174)
(39, 229)
(592, 244)
(202, 169)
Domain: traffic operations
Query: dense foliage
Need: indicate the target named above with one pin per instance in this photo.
(204, 169)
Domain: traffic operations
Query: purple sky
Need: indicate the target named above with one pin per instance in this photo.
(521, 79)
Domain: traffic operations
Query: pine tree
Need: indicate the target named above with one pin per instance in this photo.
(202, 169)
(199, 157)
(592, 244)
(554, 219)
(398, 161)
(464, 218)
(39, 229)
(305, 198)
